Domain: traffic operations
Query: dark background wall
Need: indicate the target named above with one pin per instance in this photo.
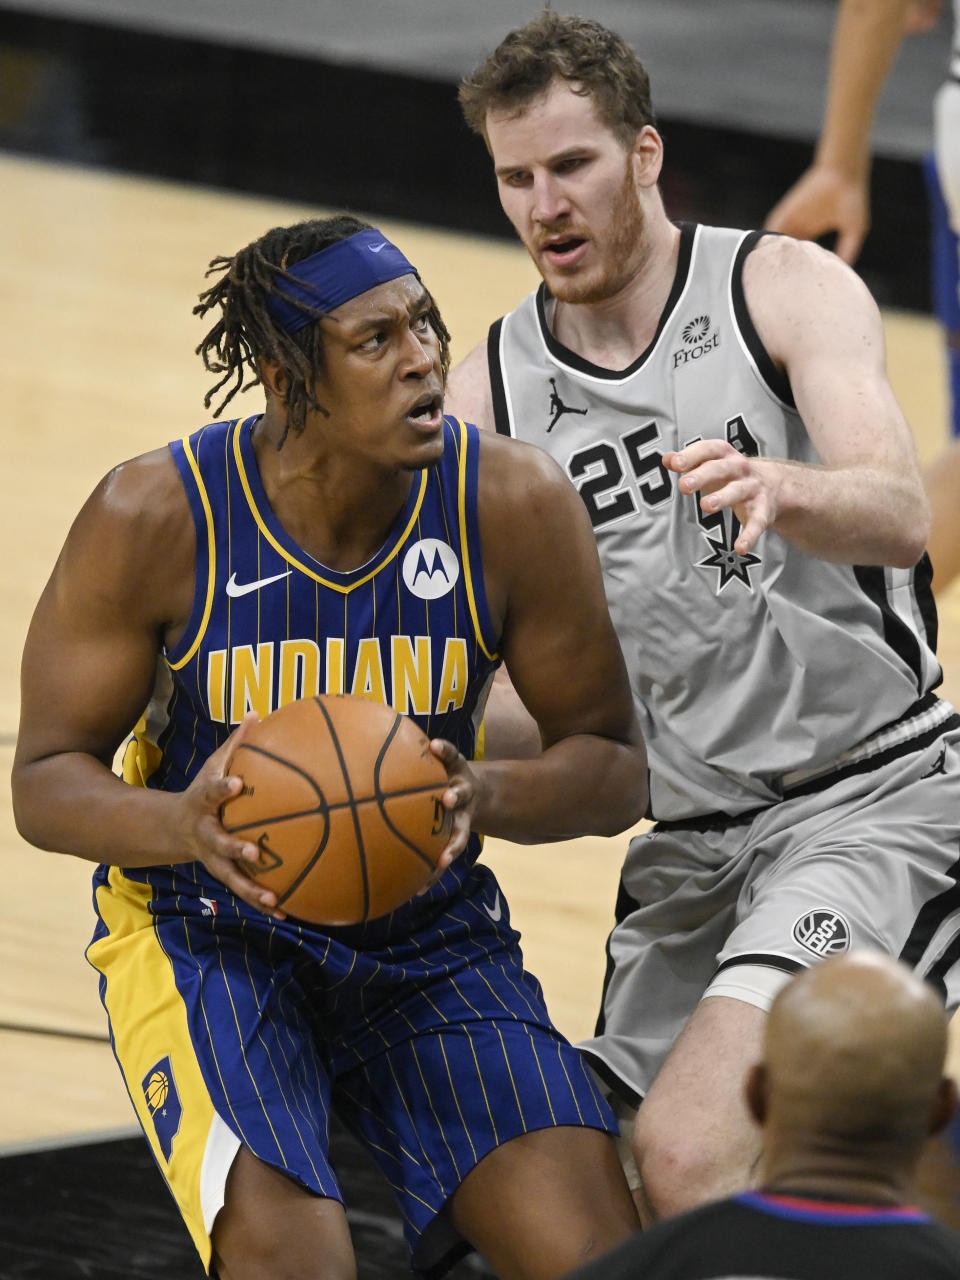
(354, 105)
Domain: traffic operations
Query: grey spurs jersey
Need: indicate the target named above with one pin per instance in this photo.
(751, 672)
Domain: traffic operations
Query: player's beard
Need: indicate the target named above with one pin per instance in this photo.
(620, 255)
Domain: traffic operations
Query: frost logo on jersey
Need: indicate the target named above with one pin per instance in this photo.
(824, 932)
(430, 568)
(699, 341)
(163, 1103)
(731, 565)
(696, 330)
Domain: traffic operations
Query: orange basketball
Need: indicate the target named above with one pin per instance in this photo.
(343, 797)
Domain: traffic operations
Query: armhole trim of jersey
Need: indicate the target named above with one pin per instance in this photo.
(777, 382)
(501, 418)
(872, 580)
(926, 603)
(464, 497)
(188, 453)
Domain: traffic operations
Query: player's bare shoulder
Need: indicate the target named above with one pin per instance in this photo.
(468, 394)
(799, 294)
(515, 475)
(532, 520)
(142, 497)
(777, 262)
(137, 526)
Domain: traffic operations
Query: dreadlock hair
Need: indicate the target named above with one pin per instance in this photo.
(552, 47)
(246, 331)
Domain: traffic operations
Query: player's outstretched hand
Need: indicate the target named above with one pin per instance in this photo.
(822, 201)
(725, 477)
(203, 836)
(460, 799)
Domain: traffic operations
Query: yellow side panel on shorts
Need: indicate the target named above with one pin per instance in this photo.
(149, 1023)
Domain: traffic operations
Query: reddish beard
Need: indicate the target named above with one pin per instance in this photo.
(619, 246)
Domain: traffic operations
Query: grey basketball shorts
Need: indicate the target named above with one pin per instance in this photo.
(870, 858)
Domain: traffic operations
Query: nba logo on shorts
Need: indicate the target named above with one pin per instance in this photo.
(163, 1103)
(823, 932)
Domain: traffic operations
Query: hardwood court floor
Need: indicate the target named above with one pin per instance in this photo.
(98, 274)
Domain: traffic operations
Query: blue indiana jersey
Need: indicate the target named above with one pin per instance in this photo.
(422, 1029)
(269, 624)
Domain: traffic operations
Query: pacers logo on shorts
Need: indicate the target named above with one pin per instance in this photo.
(163, 1103)
(824, 932)
(430, 568)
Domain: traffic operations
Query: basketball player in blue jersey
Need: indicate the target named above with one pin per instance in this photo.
(760, 516)
(348, 538)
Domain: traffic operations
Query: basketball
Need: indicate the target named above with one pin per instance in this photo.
(343, 797)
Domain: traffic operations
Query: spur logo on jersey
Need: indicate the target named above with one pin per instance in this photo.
(730, 564)
(430, 569)
(698, 340)
(162, 1097)
(822, 931)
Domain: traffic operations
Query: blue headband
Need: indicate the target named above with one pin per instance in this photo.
(335, 275)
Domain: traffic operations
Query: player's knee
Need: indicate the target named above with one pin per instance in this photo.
(264, 1253)
(288, 1233)
(677, 1172)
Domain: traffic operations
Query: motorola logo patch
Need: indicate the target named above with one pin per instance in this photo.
(822, 932)
(430, 568)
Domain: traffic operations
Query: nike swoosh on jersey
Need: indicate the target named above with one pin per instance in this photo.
(496, 911)
(235, 588)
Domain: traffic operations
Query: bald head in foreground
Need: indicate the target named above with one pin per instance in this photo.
(852, 1082)
(850, 1086)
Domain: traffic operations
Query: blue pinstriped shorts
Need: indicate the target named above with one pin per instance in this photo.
(422, 1031)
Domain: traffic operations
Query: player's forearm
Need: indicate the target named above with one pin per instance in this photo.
(582, 785)
(852, 515)
(71, 803)
(865, 42)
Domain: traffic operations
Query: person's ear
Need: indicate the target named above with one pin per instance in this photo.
(755, 1091)
(273, 377)
(944, 1106)
(647, 152)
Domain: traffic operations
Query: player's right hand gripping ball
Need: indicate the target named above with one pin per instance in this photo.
(343, 797)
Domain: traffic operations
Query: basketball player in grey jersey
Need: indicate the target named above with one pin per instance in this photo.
(720, 400)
